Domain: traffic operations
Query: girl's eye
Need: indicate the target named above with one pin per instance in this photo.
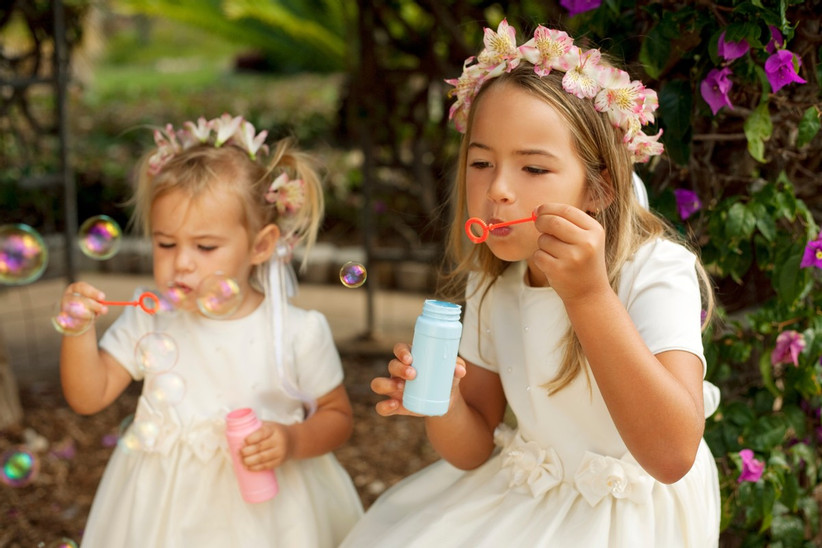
(536, 170)
(206, 247)
(479, 164)
(165, 245)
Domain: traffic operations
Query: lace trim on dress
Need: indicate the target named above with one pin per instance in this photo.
(598, 476)
(153, 432)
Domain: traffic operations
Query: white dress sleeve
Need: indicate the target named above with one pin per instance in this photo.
(121, 338)
(661, 292)
(317, 361)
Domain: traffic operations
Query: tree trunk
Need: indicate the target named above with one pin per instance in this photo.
(10, 410)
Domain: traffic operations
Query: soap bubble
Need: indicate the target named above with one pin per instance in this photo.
(167, 389)
(100, 237)
(19, 467)
(141, 435)
(73, 316)
(171, 299)
(62, 543)
(219, 296)
(156, 352)
(23, 254)
(353, 274)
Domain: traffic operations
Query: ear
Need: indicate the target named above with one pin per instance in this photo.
(601, 202)
(264, 244)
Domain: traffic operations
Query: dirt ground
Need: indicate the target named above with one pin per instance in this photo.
(72, 452)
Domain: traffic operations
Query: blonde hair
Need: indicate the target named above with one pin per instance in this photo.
(203, 167)
(600, 148)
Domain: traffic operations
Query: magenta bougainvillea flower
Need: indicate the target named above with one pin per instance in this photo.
(813, 253)
(781, 67)
(776, 40)
(731, 50)
(578, 6)
(751, 468)
(788, 346)
(715, 87)
(687, 202)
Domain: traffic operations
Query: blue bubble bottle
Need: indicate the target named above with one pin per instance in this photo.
(434, 352)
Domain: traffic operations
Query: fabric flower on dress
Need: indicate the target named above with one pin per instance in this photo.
(781, 69)
(599, 476)
(813, 253)
(751, 468)
(206, 439)
(715, 87)
(731, 50)
(687, 202)
(529, 464)
(789, 344)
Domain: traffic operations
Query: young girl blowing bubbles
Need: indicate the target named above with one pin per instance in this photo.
(585, 322)
(215, 203)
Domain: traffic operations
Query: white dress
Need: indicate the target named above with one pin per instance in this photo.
(563, 477)
(170, 481)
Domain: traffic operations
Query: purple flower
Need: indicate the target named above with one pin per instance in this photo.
(781, 67)
(776, 40)
(579, 6)
(788, 346)
(687, 202)
(715, 88)
(751, 468)
(813, 253)
(731, 50)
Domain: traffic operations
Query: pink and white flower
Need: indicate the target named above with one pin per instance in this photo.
(500, 53)
(582, 79)
(246, 138)
(226, 126)
(548, 50)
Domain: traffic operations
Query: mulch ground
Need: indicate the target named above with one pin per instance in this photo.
(72, 452)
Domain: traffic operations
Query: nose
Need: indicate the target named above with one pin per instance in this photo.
(183, 260)
(499, 190)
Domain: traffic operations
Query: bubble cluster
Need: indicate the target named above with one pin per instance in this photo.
(73, 316)
(166, 390)
(23, 254)
(19, 467)
(219, 296)
(100, 237)
(353, 274)
(156, 352)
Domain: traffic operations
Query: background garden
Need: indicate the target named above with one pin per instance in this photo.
(362, 83)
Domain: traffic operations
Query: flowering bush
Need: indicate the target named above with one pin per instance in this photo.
(739, 90)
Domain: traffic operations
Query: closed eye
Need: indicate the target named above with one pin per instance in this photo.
(479, 164)
(165, 245)
(536, 170)
(206, 247)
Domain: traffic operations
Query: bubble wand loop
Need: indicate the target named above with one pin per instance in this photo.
(141, 302)
(486, 228)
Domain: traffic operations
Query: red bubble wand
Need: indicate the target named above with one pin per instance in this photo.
(486, 228)
(141, 302)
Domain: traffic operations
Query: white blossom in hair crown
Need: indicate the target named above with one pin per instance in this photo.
(287, 194)
(628, 104)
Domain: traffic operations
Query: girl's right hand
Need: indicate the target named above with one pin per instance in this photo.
(80, 301)
(401, 371)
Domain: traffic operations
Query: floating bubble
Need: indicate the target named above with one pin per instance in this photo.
(100, 237)
(62, 543)
(141, 436)
(219, 296)
(73, 316)
(172, 298)
(156, 352)
(353, 274)
(167, 389)
(19, 467)
(23, 254)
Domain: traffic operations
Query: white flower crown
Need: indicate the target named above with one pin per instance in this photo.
(287, 194)
(629, 104)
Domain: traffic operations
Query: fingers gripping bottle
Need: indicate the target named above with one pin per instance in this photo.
(254, 486)
(434, 352)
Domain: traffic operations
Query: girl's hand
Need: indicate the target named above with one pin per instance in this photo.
(401, 370)
(571, 251)
(79, 301)
(267, 448)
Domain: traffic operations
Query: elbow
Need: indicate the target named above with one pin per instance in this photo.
(674, 466)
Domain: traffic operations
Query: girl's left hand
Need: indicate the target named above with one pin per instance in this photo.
(267, 448)
(571, 251)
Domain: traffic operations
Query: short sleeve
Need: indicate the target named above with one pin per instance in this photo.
(318, 364)
(476, 349)
(121, 338)
(661, 292)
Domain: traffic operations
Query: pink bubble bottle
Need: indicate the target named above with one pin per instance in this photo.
(254, 486)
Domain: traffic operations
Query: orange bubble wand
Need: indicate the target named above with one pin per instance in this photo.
(486, 228)
(140, 302)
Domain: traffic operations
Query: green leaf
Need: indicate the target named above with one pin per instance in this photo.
(758, 129)
(675, 105)
(741, 222)
(808, 126)
(766, 433)
(789, 280)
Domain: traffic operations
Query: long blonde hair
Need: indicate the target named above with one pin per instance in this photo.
(600, 147)
(200, 168)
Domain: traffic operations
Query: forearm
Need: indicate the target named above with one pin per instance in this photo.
(656, 414)
(323, 432)
(462, 436)
(84, 374)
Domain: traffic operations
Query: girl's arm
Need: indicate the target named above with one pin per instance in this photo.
(328, 428)
(91, 377)
(464, 436)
